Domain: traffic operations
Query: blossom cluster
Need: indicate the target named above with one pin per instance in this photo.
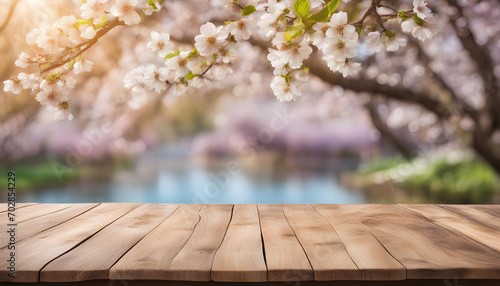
(57, 49)
(210, 59)
(293, 27)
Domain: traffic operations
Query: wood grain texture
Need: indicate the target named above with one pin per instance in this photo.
(92, 259)
(4, 206)
(240, 257)
(35, 252)
(427, 250)
(457, 223)
(36, 225)
(146, 244)
(151, 257)
(491, 209)
(475, 215)
(285, 257)
(34, 211)
(363, 247)
(426, 282)
(323, 246)
(194, 261)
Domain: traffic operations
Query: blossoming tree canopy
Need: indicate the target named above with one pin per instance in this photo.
(292, 27)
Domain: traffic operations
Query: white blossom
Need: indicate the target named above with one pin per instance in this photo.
(242, 29)
(82, 66)
(156, 78)
(50, 94)
(125, 11)
(63, 115)
(340, 29)
(420, 7)
(66, 23)
(340, 50)
(298, 53)
(28, 80)
(423, 30)
(227, 54)
(13, 86)
(94, 9)
(277, 58)
(23, 61)
(88, 33)
(374, 42)
(198, 82)
(210, 40)
(179, 64)
(319, 37)
(220, 71)
(134, 77)
(161, 44)
(179, 88)
(283, 90)
(393, 43)
(345, 67)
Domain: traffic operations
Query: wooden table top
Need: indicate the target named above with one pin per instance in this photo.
(252, 243)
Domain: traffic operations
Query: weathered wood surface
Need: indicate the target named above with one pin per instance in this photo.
(398, 244)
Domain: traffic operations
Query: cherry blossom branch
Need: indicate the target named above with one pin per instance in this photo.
(87, 45)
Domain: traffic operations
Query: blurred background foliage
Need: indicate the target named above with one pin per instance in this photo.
(339, 143)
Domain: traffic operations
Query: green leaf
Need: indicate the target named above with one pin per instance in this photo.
(152, 4)
(332, 6)
(390, 34)
(83, 22)
(325, 13)
(302, 8)
(359, 30)
(190, 75)
(192, 54)
(295, 34)
(102, 24)
(417, 20)
(402, 15)
(321, 16)
(248, 10)
(176, 53)
(295, 28)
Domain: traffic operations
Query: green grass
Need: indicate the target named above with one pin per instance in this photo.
(464, 180)
(36, 175)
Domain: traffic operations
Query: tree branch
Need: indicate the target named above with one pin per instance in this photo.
(407, 148)
(86, 45)
(485, 66)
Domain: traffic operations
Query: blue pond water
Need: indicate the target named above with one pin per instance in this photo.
(153, 181)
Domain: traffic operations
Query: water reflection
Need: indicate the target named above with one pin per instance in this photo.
(188, 184)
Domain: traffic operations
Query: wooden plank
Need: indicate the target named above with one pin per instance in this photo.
(475, 214)
(457, 223)
(34, 226)
(151, 257)
(194, 261)
(92, 259)
(420, 282)
(4, 206)
(427, 251)
(365, 250)
(491, 209)
(323, 246)
(34, 211)
(240, 258)
(285, 258)
(35, 252)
